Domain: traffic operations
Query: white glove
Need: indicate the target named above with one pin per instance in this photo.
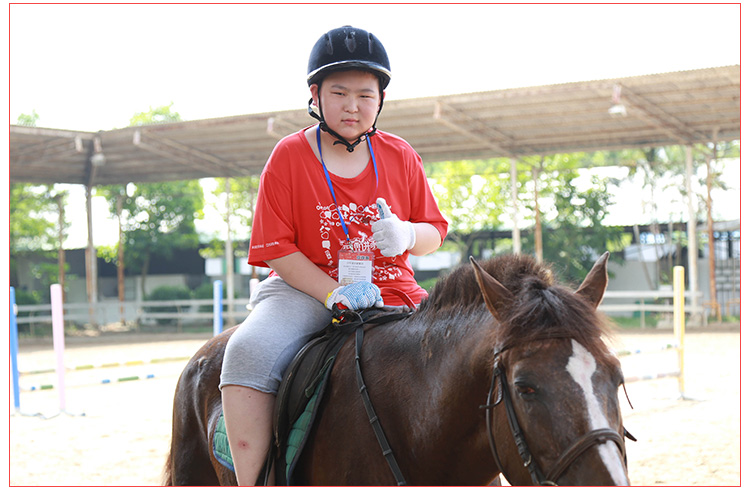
(356, 296)
(392, 236)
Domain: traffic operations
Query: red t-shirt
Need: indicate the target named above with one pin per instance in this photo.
(296, 212)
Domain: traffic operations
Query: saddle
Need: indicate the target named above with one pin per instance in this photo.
(302, 389)
(304, 384)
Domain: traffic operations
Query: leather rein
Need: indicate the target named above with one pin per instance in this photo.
(358, 322)
(581, 445)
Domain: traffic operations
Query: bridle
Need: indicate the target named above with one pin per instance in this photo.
(570, 455)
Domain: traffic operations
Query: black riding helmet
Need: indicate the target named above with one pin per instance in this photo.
(347, 48)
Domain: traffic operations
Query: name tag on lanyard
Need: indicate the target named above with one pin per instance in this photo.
(355, 266)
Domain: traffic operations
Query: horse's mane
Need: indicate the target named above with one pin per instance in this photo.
(542, 308)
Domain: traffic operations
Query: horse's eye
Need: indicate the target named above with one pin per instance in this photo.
(525, 389)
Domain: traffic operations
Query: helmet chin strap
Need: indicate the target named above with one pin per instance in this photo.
(340, 140)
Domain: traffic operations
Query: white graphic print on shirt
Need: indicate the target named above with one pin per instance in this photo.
(353, 214)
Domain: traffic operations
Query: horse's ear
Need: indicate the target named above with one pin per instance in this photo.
(496, 296)
(596, 280)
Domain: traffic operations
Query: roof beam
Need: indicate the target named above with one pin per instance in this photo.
(52, 133)
(45, 149)
(482, 133)
(652, 113)
(185, 154)
(285, 126)
(665, 109)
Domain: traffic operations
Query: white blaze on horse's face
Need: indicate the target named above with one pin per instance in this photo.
(582, 367)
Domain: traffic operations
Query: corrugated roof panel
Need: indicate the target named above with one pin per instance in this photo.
(663, 109)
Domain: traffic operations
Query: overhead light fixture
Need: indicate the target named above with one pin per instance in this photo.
(617, 109)
(98, 159)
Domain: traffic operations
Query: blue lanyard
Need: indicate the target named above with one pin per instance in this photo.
(330, 184)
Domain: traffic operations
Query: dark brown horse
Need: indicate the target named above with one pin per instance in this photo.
(500, 369)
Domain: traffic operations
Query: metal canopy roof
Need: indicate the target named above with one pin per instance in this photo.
(696, 106)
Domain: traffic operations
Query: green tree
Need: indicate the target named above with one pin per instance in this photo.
(34, 229)
(160, 218)
(31, 209)
(476, 196)
(115, 196)
(236, 202)
(575, 235)
(702, 154)
(472, 194)
(32, 226)
(155, 115)
(36, 225)
(28, 119)
(156, 218)
(31, 229)
(242, 194)
(658, 168)
(238, 207)
(661, 168)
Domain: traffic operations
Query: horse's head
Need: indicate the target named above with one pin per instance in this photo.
(558, 380)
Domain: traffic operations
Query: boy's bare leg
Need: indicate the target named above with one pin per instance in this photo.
(248, 415)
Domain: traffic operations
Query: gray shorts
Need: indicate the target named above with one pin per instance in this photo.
(282, 320)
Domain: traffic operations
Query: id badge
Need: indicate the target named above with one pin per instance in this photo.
(355, 266)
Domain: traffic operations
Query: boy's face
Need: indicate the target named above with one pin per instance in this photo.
(350, 101)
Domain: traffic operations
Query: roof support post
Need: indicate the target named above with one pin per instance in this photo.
(713, 301)
(91, 269)
(229, 254)
(94, 160)
(692, 239)
(60, 240)
(538, 245)
(514, 196)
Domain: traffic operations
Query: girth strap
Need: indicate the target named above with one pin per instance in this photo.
(374, 421)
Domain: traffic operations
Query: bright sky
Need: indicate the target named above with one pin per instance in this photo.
(91, 67)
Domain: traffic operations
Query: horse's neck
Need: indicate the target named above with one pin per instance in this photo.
(451, 352)
(456, 365)
(452, 357)
(462, 348)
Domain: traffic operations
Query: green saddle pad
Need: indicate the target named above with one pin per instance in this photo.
(298, 432)
(295, 441)
(221, 444)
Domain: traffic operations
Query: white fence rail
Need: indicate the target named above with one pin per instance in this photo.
(140, 312)
(648, 302)
(189, 311)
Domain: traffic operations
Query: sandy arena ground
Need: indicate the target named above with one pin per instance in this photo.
(123, 437)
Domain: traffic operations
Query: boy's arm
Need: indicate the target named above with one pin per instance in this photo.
(427, 239)
(301, 273)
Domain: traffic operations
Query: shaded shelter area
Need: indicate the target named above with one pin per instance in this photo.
(684, 108)
(679, 108)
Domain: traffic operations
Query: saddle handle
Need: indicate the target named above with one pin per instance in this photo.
(397, 292)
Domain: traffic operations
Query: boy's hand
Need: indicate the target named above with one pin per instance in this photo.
(355, 296)
(392, 236)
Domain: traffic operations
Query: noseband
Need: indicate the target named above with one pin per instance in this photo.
(581, 445)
